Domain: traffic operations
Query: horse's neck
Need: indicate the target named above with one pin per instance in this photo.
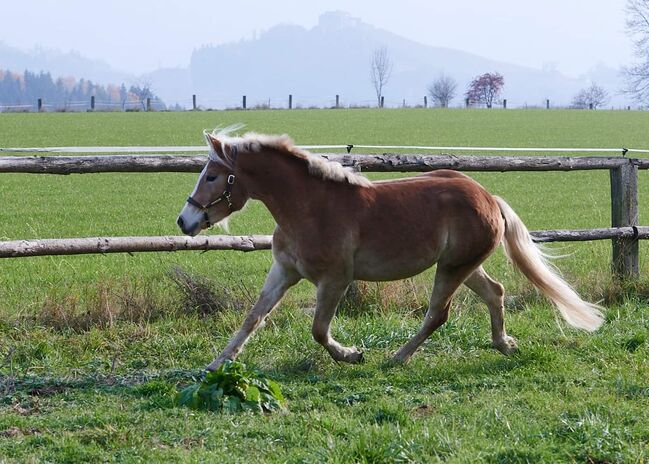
(284, 186)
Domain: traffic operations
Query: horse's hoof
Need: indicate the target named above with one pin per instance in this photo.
(356, 357)
(214, 365)
(397, 360)
(506, 346)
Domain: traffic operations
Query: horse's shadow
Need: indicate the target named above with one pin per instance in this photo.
(157, 390)
(488, 369)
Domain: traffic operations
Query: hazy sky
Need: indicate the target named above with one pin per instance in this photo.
(141, 35)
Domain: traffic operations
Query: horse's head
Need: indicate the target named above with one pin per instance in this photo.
(218, 192)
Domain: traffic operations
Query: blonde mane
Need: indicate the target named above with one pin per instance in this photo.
(317, 165)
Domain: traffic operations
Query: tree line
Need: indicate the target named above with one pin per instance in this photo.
(486, 88)
(26, 88)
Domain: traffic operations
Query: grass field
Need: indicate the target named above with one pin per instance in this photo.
(93, 347)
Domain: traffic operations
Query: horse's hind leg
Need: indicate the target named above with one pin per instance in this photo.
(329, 294)
(447, 281)
(493, 294)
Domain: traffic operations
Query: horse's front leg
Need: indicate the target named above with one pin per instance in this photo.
(278, 280)
(328, 297)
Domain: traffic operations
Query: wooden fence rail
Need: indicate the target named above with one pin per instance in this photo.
(388, 162)
(624, 234)
(105, 245)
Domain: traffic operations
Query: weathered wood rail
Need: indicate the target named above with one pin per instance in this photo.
(388, 162)
(105, 245)
(624, 234)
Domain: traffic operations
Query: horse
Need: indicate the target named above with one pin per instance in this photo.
(335, 226)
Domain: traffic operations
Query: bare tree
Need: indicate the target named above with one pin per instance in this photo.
(381, 69)
(637, 75)
(142, 92)
(592, 97)
(442, 90)
(485, 89)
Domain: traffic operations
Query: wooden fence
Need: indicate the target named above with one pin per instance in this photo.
(624, 233)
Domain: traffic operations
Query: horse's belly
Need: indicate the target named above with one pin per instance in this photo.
(386, 266)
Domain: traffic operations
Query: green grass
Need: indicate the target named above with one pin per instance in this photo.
(93, 348)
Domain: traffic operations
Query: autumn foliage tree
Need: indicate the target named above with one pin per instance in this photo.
(485, 89)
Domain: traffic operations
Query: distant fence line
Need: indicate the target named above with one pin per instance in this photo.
(624, 233)
(287, 102)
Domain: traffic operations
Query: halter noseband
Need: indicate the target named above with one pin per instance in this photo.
(227, 193)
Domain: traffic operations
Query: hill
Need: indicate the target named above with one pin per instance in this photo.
(334, 58)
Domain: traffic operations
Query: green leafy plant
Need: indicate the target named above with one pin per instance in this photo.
(232, 388)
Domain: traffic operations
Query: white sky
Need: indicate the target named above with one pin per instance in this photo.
(141, 35)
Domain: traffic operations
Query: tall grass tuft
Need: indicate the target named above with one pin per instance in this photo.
(406, 296)
(201, 296)
(101, 307)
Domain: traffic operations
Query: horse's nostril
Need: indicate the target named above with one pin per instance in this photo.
(180, 222)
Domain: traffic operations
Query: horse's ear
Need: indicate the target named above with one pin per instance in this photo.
(215, 144)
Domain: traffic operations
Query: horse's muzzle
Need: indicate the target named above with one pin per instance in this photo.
(188, 229)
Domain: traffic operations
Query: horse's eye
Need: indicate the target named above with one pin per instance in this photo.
(210, 178)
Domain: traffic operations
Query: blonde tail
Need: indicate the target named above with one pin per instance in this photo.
(529, 259)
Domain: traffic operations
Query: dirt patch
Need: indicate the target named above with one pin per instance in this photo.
(15, 432)
(423, 410)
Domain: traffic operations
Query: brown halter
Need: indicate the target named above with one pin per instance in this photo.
(227, 193)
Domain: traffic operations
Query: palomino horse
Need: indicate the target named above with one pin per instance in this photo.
(335, 226)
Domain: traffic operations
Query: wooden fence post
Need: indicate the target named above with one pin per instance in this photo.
(243, 102)
(547, 104)
(425, 101)
(624, 213)
(92, 103)
(337, 101)
(148, 104)
(382, 101)
(504, 103)
(194, 102)
(40, 105)
(290, 102)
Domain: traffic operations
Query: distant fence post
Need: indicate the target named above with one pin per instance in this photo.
(466, 102)
(40, 105)
(194, 102)
(624, 213)
(504, 103)
(337, 101)
(243, 102)
(290, 102)
(148, 103)
(382, 101)
(547, 104)
(92, 103)
(425, 101)
(590, 106)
